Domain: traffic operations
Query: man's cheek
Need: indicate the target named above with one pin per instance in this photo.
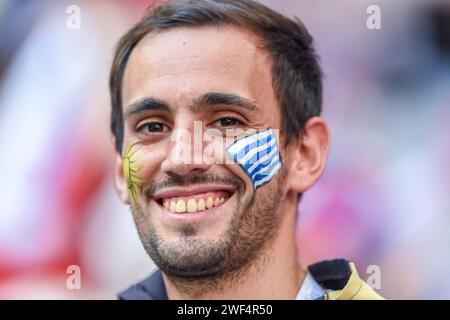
(258, 156)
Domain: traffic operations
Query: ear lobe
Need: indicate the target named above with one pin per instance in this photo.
(309, 155)
(119, 180)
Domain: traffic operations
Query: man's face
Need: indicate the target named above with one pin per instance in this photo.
(172, 72)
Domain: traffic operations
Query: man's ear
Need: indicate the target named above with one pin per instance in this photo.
(119, 179)
(308, 153)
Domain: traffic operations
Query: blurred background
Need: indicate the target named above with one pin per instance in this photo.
(383, 200)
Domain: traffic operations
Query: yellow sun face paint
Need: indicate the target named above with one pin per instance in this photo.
(131, 171)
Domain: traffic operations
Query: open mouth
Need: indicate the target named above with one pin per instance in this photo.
(194, 202)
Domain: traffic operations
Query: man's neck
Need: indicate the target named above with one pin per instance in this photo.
(274, 274)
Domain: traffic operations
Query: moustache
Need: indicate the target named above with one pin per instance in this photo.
(191, 180)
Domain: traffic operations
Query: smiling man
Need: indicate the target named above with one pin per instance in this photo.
(216, 118)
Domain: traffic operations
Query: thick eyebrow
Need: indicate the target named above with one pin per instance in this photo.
(201, 102)
(222, 98)
(146, 104)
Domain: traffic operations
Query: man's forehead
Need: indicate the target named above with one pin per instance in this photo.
(186, 58)
(217, 44)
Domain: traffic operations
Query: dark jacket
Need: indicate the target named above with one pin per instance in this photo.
(338, 278)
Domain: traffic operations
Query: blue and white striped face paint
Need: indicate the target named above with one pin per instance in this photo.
(258, 155)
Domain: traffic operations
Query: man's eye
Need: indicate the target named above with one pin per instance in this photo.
(228, 122)
(152, 127)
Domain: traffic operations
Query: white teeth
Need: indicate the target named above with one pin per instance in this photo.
(173, 206)
(191, 205)
(209, 202)
(201, 205)
(181, 206)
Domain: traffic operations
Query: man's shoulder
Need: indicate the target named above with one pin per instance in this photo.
(339, 279)
(151, 288)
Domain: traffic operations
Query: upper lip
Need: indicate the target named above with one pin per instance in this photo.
(189, 191)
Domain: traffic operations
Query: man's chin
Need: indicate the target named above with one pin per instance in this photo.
(191, 258)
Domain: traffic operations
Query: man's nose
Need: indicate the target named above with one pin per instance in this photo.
(185, 155)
